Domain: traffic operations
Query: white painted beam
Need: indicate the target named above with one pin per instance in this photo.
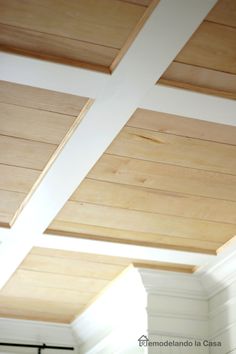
(51, 76)
(164, 34)
(190, 104)
(122, 250)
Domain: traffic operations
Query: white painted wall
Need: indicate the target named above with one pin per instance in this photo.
(222, 323)
(33, 332)
(177, 311)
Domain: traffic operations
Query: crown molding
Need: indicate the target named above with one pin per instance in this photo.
(220, 272)
(173, 284)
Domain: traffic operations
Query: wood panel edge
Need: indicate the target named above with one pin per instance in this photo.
(49, 231)
(76, 123)
(55, 59)
(133, 35)
(196, 88)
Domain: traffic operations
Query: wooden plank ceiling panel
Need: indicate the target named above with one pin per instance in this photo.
(165, 181)
(31, 129)
(176, 150)
(79, 32)
(207, 63)
(56, 285)
(40, 99)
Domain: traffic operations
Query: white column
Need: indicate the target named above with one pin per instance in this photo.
(165, 307)
(220, 283)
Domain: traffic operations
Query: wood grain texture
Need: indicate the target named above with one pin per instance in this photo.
(56, 48)
(154, 201)
(182, 126)
(207, 62)
(212, 46)
(164, 177)
(25, 153)
(33, 309)
(106, 23)
(138, 2)
(72, 267)
(223, 12)
(17, 179)
(200, 79)
(146, 222)
(41, 99)
(173, 149)
(165, 181)
(56, 285)
(33, 124)
(87, 231)
(9, 202)
(105, 259)
(133, 34)
(88, 34)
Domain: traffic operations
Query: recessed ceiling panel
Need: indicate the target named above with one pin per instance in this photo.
(55, 286)
(207, 62)
(33, 123)
(86, 32)
(165, 181)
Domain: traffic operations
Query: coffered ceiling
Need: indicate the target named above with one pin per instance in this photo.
(93, 178)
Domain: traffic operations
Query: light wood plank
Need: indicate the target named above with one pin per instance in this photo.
(137, 221)
(86, 231)
(134, 34)
(138, 2)
(212, 46)
(99, 258)
(25, 153)
(34, 124)
(24, 278)
(72, 267)
(111, 21)
(187, 127)
(155, 201)
(164, 177)
(33, 309)
(9, 203)
(48, 294)
(17, 179)
(89, 257)
(200, 79)
(56, 48)
(33, 97)
(176, 150)
(223, 12)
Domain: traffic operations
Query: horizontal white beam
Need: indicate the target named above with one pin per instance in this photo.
(122, 250)
(190, 104)
(51, 76)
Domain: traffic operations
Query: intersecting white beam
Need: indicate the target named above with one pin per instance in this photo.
(51, 76)
(190, 104)
(122, 250)
(163, 35)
